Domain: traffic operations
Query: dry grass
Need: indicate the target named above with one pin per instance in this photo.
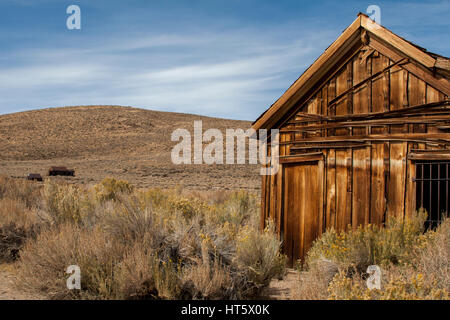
(414, 264)
(148, 244)
(19, 207)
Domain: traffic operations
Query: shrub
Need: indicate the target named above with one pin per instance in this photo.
(45, 259)
(12, 238)
(396, 285)
(258, 257)
(149, 245)
(110, 189)
(414, 264)
(369, 245)
(64, 203)
(24, 191)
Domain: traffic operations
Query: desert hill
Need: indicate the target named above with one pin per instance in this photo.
(122, 142)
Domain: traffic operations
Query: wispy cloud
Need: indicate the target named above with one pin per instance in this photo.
(218, 66)
(217, 74)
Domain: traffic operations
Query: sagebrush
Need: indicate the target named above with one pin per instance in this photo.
(144, 244)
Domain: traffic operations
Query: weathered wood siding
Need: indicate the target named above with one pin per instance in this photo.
(354, 134)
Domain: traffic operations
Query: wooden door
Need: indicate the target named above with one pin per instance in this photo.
(303, 207)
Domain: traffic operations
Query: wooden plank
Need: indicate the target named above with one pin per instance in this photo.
(361, 187)
(398, 95)
(440, 83)
(416, 90)
(313, 108)
(321, 194)
(341, 107)
(430, 156)
(439, 119)
(273, 199)
(288, 219)
(330, 216)
(279, 195)
(343, 197)
(331, 94)
(377, 197)
(397, 42)
(311, 210)
(296, 212)
(433, 95)
(417, 137)
(417, 95)
(410, 192)
(262, 222)
(361, 97)
(420, 150)
(304, 202)
(380, 90)
(360, 157)
(397, 179)
(313, 156)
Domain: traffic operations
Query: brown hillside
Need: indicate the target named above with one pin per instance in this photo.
(123, 142)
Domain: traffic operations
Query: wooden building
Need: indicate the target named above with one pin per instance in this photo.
(364, 136)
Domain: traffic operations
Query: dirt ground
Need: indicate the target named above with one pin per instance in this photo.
(282, 289)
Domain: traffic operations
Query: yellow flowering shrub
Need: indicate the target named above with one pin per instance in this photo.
(110, 188)
(371, 244)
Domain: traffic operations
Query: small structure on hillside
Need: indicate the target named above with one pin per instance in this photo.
(34, 177)
(61, 171)
(364, 136)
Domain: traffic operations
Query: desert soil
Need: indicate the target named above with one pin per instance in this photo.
(120, 142)
(282, 289)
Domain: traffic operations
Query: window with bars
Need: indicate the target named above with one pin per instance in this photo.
(432, 186)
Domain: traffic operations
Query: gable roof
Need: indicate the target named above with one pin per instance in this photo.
(426, 65)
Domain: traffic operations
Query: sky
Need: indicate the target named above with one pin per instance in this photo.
(229, 59)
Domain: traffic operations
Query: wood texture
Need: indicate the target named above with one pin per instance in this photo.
(348, 153)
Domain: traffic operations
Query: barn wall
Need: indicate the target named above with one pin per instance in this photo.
(367, 177)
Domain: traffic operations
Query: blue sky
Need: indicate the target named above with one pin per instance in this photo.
(229, 59)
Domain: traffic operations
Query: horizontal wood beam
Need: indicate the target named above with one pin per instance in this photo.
(429, 156)
(434, 107)
(433, 119)
(331, 146)
(314, 156)
(397, 42)
(443, 138)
